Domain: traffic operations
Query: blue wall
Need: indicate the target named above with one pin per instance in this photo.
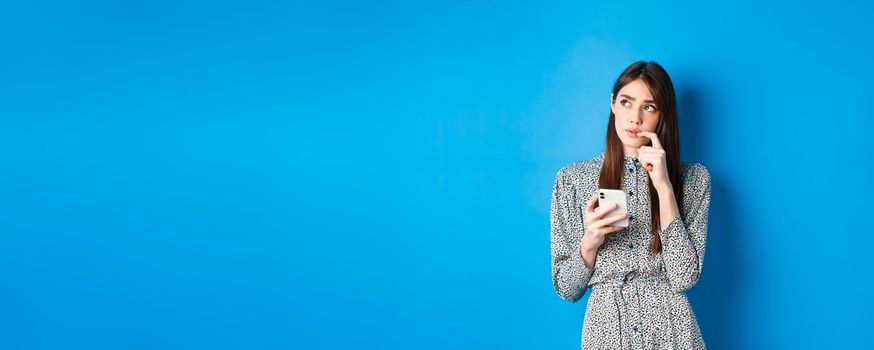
(221, 175)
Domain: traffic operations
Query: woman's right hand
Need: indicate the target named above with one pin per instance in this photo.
(598, 226)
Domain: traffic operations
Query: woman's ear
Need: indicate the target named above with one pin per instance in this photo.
(611, 104)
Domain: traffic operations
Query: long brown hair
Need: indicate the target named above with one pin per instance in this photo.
(662, 90)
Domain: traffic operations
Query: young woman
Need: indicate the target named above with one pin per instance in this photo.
(639, 274)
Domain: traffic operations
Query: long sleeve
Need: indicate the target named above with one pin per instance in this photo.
(684, 240)
(570, 275)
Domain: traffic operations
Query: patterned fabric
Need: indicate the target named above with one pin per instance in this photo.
(638, 298)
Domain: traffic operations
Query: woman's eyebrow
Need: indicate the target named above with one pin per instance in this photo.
(634, 99)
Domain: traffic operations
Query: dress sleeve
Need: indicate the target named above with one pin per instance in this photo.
(570, 275)
(684, 239)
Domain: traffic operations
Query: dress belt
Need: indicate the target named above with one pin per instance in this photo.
(632, 279)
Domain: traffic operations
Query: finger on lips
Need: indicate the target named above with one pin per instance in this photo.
(653, 137)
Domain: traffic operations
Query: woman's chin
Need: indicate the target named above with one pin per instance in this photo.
(629, 143)
(632, 144)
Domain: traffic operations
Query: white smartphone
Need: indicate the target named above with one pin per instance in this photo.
(606, 196)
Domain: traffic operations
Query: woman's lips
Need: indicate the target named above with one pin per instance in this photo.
(631, 133)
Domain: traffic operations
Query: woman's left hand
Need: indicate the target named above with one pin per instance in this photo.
(653, 159)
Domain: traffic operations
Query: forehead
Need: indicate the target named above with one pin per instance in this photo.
(636, 89)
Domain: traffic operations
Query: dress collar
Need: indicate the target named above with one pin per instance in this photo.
(630, 160)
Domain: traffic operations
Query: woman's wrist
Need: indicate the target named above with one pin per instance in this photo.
(668, 209)
(586, 246)
(588, 253)
(664, 188)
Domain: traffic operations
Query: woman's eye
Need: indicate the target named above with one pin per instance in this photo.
(623, 103)
(651, 108)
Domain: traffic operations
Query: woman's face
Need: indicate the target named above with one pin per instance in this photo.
(634, 111)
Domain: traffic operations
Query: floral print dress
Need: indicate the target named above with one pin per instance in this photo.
(637, 298)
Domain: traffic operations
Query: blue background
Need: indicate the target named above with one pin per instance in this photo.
(265, 175)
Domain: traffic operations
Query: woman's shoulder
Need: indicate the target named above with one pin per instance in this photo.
(694, 174)
(582, 168)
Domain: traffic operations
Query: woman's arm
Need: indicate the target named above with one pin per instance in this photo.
(683, 241)
(569, 274)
